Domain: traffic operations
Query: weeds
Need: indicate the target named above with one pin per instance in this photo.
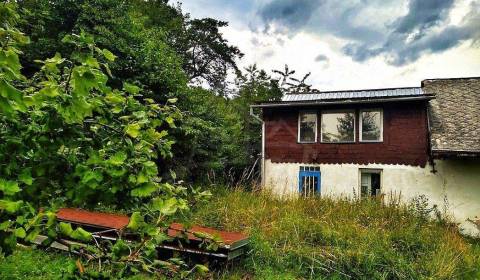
(318, 238)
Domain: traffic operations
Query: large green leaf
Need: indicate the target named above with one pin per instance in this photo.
(133, 130)
(10, 93)
(108, 55)
(26, 176)
(136, 221)
(166, 207)
(81, 235)
(9, 187)
(10, 206)
(92, 177)
(133, 89)
(118, 158)
(5, 225)
(144, 190)
(20, 233)
(65, 228)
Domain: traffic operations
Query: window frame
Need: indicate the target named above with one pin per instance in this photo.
(369, 171)
(360, 125)
(340, 111)
(316, 126)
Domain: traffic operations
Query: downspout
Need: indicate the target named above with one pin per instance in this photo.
(262, 168)
(429, 142)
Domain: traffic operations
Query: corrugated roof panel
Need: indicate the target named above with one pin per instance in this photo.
(374, 93)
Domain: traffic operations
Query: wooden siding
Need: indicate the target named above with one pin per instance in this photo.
(404, 137)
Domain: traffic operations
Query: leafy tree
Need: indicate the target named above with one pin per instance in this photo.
(207, 56)
(79, 137)
(143, 55)
(66, 133)
(205, 144)
(255, 86)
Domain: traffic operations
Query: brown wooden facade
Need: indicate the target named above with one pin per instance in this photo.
(405, 137)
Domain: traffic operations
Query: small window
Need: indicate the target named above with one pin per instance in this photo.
(371, 125)
(307, 127)
(309, 181)
(338, 127)
(370, 182)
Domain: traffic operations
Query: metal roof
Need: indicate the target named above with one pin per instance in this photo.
(354, 94)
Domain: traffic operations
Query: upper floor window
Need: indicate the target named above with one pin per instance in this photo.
(338, 127)
(371, 125)
(307, 127)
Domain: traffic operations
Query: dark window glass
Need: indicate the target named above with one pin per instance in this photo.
(338, 127)
(308, 125)
(370, 184)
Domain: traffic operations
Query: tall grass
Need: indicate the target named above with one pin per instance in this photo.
(323, 238)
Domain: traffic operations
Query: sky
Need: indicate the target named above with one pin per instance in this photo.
(353, 44)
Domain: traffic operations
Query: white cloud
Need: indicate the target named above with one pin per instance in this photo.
(271, 50)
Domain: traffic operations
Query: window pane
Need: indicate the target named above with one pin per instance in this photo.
(338, 127)
(371, 126)
(370, 184)
(365, 184)
(307, 127)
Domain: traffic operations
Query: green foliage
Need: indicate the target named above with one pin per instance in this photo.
(103, 140)
(67, 134)
(207, 57)
(322, 238)
(142, 55)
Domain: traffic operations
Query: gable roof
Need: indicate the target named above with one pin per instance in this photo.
(454, 116)
(349, 97)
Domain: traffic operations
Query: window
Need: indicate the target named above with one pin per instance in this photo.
(338, 127)
(370, 182)
(307, 127)
(309, 180)
(371, 125)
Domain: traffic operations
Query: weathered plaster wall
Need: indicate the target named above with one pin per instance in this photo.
(456, 180)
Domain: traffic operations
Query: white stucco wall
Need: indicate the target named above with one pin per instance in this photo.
(457, 181)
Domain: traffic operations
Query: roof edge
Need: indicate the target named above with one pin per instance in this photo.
(355, 90)
(443, 153)
(344, 101)
(448, 79)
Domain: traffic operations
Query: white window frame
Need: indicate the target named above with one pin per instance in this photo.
(316, 126)
(354, 125)
(369, 171)
(360, 124)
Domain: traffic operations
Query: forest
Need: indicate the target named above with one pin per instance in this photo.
(132, 106)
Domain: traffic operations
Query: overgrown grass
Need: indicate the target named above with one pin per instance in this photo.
(313, 239)
(340, 239)
(32, 264)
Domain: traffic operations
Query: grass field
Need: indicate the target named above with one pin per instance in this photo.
(327, 239)
(314, 239)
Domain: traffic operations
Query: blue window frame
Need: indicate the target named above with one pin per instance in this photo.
(309, 179)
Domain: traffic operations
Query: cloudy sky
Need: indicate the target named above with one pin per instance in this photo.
(353, 44)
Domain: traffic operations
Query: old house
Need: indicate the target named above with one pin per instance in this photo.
(401, 141)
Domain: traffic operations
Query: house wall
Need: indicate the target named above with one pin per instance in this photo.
(404, 137)
(456, 180)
